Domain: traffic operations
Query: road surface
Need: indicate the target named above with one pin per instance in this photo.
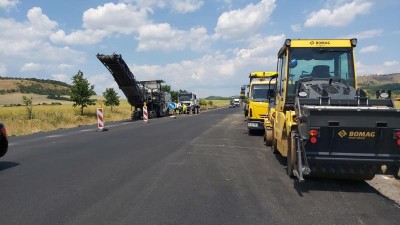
(200, 169)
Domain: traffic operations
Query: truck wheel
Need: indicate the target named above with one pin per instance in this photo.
(290, 156)
(268, 136)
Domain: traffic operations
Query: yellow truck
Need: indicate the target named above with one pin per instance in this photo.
(323, 123)
(260, 86)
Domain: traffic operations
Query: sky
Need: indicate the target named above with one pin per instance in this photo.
(208, 47)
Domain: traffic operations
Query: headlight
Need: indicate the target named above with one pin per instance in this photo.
(302, 94)
(384, 95)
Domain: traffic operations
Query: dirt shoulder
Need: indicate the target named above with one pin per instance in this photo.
(388, 186)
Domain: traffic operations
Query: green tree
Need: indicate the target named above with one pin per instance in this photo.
(166, 88)
(203, 102)
(112, 98)
(81, 91)
(28, 104)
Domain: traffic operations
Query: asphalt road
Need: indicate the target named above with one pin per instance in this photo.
(200, 169)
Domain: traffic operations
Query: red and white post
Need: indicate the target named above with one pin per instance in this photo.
(145, 114)
(100, 119)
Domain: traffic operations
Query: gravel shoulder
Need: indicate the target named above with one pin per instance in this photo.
(388, 186)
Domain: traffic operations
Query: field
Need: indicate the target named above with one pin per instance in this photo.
(51, 117)
(16, 98)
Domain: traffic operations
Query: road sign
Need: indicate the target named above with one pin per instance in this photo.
(172, 105)
(99, 105)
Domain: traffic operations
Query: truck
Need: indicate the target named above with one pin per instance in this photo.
(138, 93)
(256, 108)
(237, 102)
(191, 101)
(324, 125)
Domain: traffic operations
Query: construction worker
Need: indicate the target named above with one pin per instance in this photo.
(184, 107)
(178, 107)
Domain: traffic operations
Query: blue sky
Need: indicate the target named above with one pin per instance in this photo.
(207, 47)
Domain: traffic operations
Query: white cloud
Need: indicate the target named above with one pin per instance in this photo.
(179, 6)
(371, 48)
(386, 67)
(101, 82)
(119, 18)
(62, 77)
(340, 16)
(102, 21)
(37, 26)
(391, 63)
(80, 37)
(218, 71)
(186, 6)
(366, 34)
(147, 3)
(8, 3)
(240, 23)
(28, 67)
(164, 37)
(27, 41)
(261, 46)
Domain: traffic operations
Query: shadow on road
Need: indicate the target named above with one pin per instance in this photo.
(325, 184)
(333, 185)
(7, 165)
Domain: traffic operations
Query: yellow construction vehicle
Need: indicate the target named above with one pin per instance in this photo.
(256, 109)
(324, 124)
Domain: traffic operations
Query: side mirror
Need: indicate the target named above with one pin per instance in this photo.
(242, 94)
(271, 93)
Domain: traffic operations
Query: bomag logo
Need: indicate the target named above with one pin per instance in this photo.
(323, 43)
(357, 134)
(342, 133)
(320, 43)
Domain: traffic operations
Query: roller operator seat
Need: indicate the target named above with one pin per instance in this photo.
(320, 71)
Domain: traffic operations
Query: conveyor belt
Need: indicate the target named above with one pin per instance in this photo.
(124, 78)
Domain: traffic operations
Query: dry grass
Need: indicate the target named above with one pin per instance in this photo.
(47, 118)
(219, 103)
(16, 98)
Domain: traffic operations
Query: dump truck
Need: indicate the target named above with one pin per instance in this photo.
(256, 108)
(324, 124)
(137, 92)
(191, 101)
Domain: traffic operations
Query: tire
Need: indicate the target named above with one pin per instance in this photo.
(269, 135)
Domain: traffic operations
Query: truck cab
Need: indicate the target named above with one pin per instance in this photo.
(191, 101)
(259, 88)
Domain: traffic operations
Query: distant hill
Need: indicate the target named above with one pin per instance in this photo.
(372, 83)
(221, 98)
(12, 90)
(34, 86)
